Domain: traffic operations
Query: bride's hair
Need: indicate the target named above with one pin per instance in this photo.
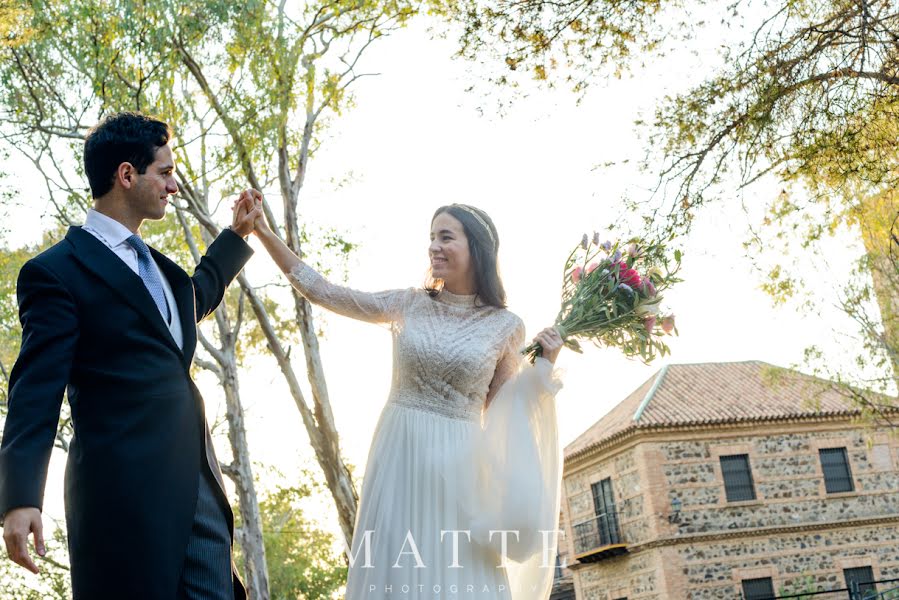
(483, 244)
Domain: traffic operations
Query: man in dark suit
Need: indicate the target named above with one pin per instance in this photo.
(113, 323)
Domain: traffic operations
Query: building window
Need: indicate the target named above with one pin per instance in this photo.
(737, 478)
(758, 589)
(835, 465)
(600, 530)
(863, 578)
(606, 514)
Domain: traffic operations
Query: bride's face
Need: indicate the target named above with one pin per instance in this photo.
(450, 257)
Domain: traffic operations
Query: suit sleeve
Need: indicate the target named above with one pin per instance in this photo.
(36, 385)
(224, 259)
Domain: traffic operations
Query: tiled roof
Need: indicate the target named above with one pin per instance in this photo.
(706, 393)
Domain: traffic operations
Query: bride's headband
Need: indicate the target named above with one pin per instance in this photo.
(474, 213)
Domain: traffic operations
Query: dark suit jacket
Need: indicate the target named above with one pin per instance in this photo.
(90, 327)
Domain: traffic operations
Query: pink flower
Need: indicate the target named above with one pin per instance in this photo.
(668, 324)
(632, 249)
(591, 268)
(649, 323)
(628, 276)
(648, 287)
(576, 274)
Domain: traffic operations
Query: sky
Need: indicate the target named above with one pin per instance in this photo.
(415, 141)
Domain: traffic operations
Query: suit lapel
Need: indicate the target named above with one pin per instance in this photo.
(103, 263)
(183, 290)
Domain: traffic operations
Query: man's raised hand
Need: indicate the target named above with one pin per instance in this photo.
(246, 211)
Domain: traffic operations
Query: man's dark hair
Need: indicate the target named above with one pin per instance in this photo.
(121, 137)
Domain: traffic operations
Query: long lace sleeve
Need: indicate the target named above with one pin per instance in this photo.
(512, 472)
(509, 360)
(377, 307)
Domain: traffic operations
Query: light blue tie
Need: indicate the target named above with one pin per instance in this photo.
(148, 273)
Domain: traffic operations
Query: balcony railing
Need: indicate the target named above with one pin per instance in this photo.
(597, 538)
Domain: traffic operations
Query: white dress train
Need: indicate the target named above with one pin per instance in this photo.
(442, 471)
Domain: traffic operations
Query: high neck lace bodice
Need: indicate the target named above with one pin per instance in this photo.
(460, 300)
(447, 349)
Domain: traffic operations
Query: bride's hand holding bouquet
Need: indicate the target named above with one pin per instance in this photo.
(612, 294)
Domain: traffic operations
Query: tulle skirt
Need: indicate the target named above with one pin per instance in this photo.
(407, 500)
(435, 487)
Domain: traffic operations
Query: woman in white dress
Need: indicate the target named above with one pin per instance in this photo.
(467, 441)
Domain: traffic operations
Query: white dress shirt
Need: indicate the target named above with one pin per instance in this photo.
(113, 235)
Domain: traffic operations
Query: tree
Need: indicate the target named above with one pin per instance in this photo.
(811, 95)
(12, 22)
(10, 331)
(867, 294)
(575, 40)
(249, 87)
(302, 561)
(810, 98)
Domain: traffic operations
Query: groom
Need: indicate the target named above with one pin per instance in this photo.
(113, 323)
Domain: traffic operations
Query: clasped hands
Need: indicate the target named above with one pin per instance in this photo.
(248, 215)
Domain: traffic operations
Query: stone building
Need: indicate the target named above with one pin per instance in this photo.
(726, 481)
(563, 583)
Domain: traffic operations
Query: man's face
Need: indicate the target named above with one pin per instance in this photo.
(151, 190)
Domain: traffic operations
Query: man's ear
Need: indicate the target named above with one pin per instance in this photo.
(125, 175)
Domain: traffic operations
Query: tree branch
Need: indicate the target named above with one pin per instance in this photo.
(4, 373)
(242, 151)
(238, 323)
(210, 348)
(209, 366)
(231, 472)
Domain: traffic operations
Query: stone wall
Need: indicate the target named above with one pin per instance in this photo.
(622, 577)
(711, 570)
(786, 471)
(664, 562)
(628, 489)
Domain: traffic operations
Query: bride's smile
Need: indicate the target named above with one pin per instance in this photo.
(450, 255)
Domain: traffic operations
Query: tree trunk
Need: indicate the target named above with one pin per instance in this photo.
(241, 474)
(877, 219)
(240, 470)
(319, 424)
(338, 476)
(323, 438)
(336, 472)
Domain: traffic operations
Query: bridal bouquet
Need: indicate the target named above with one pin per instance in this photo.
(611, 296)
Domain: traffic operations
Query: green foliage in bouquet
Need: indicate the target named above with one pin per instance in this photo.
(612, 294)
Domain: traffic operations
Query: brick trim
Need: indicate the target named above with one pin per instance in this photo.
(762, 532)
(635, 431)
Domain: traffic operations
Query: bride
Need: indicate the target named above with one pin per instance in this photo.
(460, 497)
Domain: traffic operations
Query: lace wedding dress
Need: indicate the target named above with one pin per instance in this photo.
(441, 462)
